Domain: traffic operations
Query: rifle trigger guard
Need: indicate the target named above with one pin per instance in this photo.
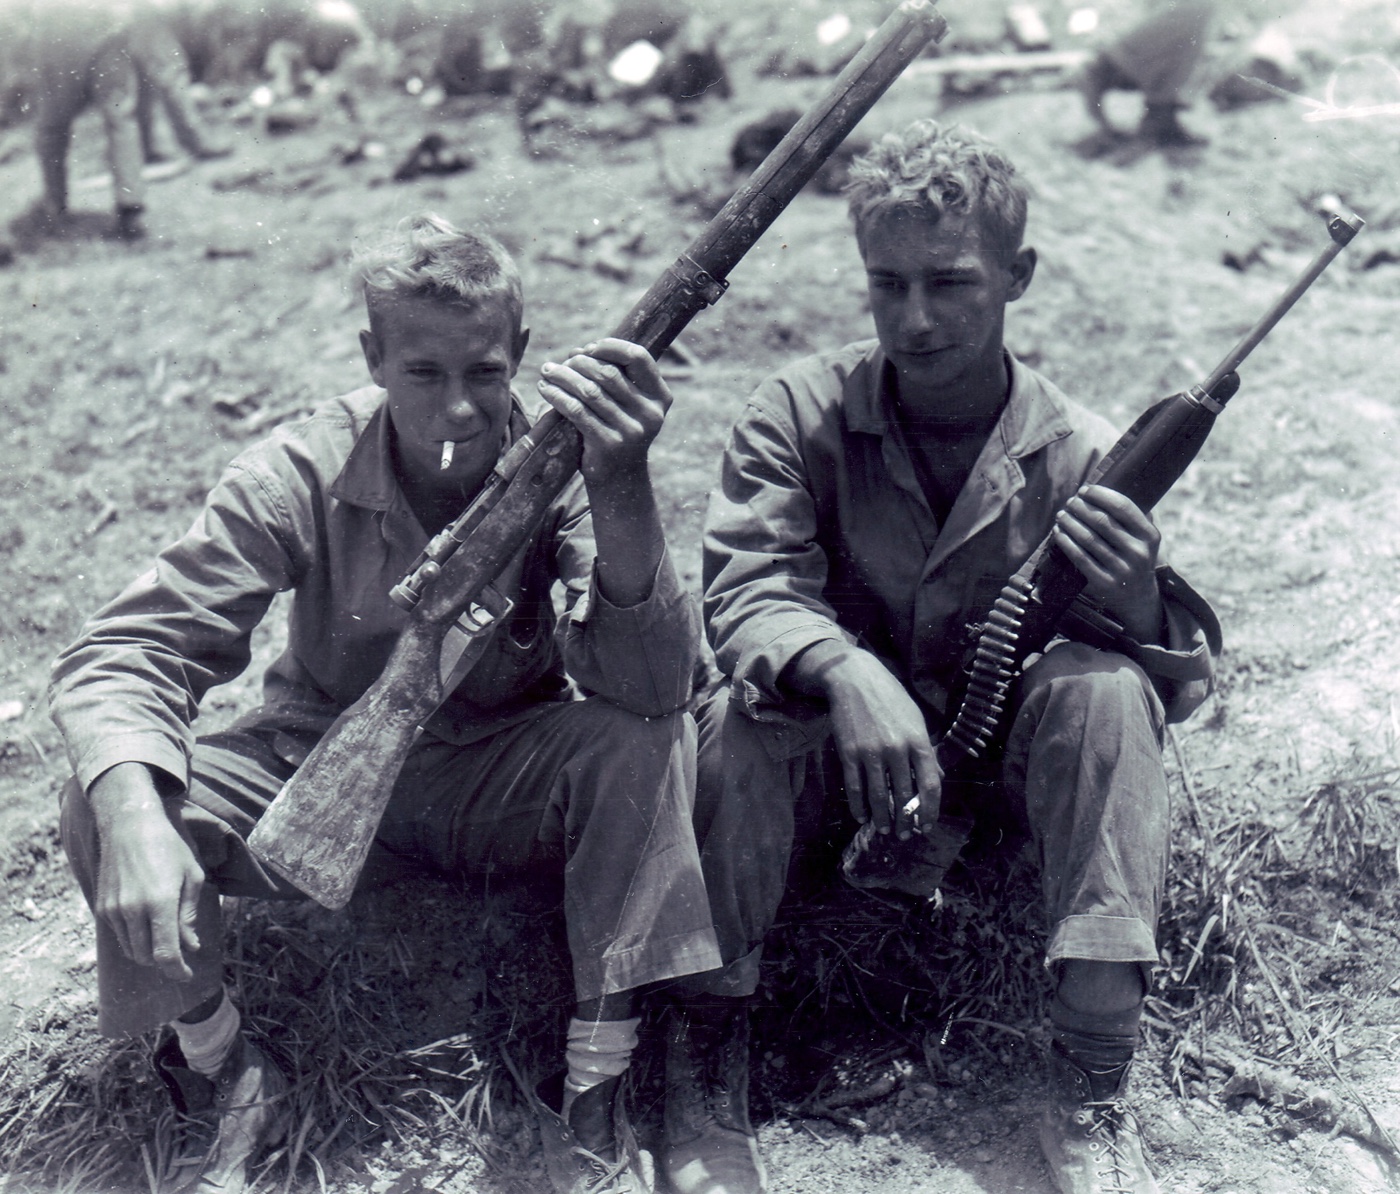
(490, 607)
(699, 280)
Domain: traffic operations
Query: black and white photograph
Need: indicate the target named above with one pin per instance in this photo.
(699, 596)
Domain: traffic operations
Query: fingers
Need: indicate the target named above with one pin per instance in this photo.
(122, 931)
(903, 796)
(612, 385)
(929, 777)
(189, 914)
(157, 929)
(899, 790)
(167, 955)
(1121, 509)
(160, 934)
(634, 360)
(877, 794)
(1112, 543)
(1073, 542)
(855, 788)
(577, 397)
(1109, 524)
(867, 793)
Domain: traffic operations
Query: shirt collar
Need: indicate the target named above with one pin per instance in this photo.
(1034, 414)
(367, 478)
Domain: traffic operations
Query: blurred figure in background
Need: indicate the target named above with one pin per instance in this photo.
(82, 58)
(104, 54)
(1157, 57)
(163, 77)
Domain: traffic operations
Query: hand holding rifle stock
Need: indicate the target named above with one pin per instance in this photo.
(319, 829)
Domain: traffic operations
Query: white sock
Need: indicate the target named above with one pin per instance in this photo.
(206, 1045)
(597, 1050)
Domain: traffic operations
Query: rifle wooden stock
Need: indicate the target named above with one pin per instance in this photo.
(318, 830)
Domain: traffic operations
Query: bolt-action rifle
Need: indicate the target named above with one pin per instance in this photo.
(318, 830)
(1146, 462)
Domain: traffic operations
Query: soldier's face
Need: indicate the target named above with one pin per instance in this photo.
(938, 294)
(447, 371)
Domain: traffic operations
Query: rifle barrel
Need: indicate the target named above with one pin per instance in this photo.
(1342, 228)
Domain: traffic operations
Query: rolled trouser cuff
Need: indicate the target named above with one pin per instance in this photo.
(657, 961)
(735, 981)
(1093, 938)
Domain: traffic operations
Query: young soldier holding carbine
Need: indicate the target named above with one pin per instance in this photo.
(873, 502)
(509, 775)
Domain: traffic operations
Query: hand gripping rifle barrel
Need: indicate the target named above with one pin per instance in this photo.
(317, 832)
(1142, 465)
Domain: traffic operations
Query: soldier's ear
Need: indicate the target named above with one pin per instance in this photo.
(522, 340)
(1022, 270)
(374, 356)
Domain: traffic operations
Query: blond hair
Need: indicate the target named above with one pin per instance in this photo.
(428, 257)
(931, 169)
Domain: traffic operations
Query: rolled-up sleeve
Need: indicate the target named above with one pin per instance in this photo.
(765, 572)
(128, 690)
(641, 657)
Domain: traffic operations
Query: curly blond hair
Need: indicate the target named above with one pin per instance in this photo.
(932, 169)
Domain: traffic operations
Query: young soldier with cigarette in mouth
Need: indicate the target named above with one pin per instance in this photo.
(509, 774)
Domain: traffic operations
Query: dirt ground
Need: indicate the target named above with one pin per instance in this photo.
(130, 374)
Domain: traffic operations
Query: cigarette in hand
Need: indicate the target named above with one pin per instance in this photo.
(446, 461)
(911, 807)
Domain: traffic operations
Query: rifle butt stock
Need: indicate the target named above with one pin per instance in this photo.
(319, 828)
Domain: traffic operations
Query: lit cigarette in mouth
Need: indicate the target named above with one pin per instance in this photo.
(447, 449)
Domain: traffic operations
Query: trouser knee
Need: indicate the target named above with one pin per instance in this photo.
(1081, 692)
(618, 752)
(744, 780)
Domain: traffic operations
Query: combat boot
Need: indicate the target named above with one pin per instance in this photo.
(130, 225)
(710, 1146)
(237, 1113)
(1093, 1146)
(1162, 127)
(593, 1151)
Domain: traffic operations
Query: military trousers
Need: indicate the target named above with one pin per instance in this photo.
(583, 790)
(1081, 772)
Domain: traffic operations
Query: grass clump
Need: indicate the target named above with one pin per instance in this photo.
(404, 1019)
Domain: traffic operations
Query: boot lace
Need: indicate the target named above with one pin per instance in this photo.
(717, 1053)
(608, 1177)
(1112, 1129)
